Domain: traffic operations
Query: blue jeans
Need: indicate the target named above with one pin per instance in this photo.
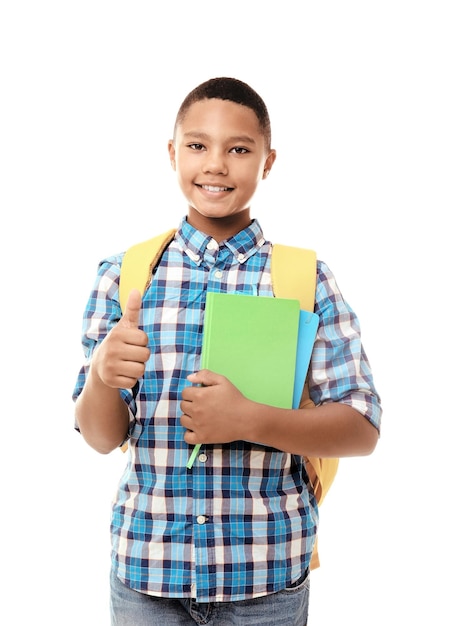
(285, 608)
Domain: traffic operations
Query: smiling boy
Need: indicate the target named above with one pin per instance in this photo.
(229, 541)
(220, 155)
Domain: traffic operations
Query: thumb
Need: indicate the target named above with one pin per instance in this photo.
(130, 318)
(207, 378)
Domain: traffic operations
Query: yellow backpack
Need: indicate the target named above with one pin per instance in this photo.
(137, 272)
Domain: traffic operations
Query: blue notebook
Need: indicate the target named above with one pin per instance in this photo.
(308, 327)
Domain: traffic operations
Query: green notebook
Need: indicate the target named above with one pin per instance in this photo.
(252, 340)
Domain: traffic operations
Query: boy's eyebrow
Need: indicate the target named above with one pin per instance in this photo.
(195, 134)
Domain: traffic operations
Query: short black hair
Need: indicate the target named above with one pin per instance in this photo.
(234, 90)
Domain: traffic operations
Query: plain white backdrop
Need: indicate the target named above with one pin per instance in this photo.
(361, 98)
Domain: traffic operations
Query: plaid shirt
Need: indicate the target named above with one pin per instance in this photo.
(243, 521)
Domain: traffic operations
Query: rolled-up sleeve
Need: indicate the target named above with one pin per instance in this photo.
(340, 370)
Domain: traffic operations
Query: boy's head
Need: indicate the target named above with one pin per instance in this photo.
(233, 90)
(220, 152)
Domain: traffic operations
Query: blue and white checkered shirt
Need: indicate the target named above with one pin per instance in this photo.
(242, 523)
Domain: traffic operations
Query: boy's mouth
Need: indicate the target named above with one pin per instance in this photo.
(214, 188)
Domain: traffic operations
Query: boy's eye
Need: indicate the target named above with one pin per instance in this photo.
(196, 146)
(239, 150)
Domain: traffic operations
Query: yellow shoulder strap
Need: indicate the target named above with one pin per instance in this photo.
(137, 267)
(138, 263)
(294, 274)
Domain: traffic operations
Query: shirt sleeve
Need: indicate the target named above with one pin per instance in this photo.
(101, 314)
(340, 370)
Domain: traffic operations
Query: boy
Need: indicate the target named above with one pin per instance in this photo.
(230, 540)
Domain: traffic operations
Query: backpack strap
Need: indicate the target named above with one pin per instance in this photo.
(294, 274)
(139, 262)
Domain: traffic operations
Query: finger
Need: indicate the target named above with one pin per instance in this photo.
(206, 378)
(186, 407)
(130, 318)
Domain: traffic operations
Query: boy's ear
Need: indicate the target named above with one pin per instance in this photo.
(171, 149)
(270, 160)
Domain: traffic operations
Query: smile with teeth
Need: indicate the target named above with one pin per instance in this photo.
(214, 188)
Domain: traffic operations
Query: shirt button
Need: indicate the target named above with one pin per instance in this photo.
(201, 519)
(212, 245)
(195, 257)
(218, 274)
(240, 257)
(203, 458)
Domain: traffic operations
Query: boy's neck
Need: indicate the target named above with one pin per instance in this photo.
(219, 228)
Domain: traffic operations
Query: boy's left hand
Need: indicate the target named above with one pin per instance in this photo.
(213, 412)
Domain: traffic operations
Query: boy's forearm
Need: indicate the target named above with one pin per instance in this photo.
(330, 430)
(102, 415)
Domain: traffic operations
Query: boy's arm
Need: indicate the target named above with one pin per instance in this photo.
(333, 429)
(101, 414)
(217, 412)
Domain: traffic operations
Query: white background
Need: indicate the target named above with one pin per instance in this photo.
(361, 97)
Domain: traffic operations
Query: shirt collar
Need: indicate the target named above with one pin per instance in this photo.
(242, 245)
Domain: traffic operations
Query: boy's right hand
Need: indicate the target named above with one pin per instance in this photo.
(119, 361)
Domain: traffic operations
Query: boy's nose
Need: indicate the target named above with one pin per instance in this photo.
(215, 163)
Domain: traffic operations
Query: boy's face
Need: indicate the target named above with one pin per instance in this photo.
(220, 157)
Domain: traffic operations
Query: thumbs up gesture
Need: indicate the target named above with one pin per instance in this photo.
(119, 361)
